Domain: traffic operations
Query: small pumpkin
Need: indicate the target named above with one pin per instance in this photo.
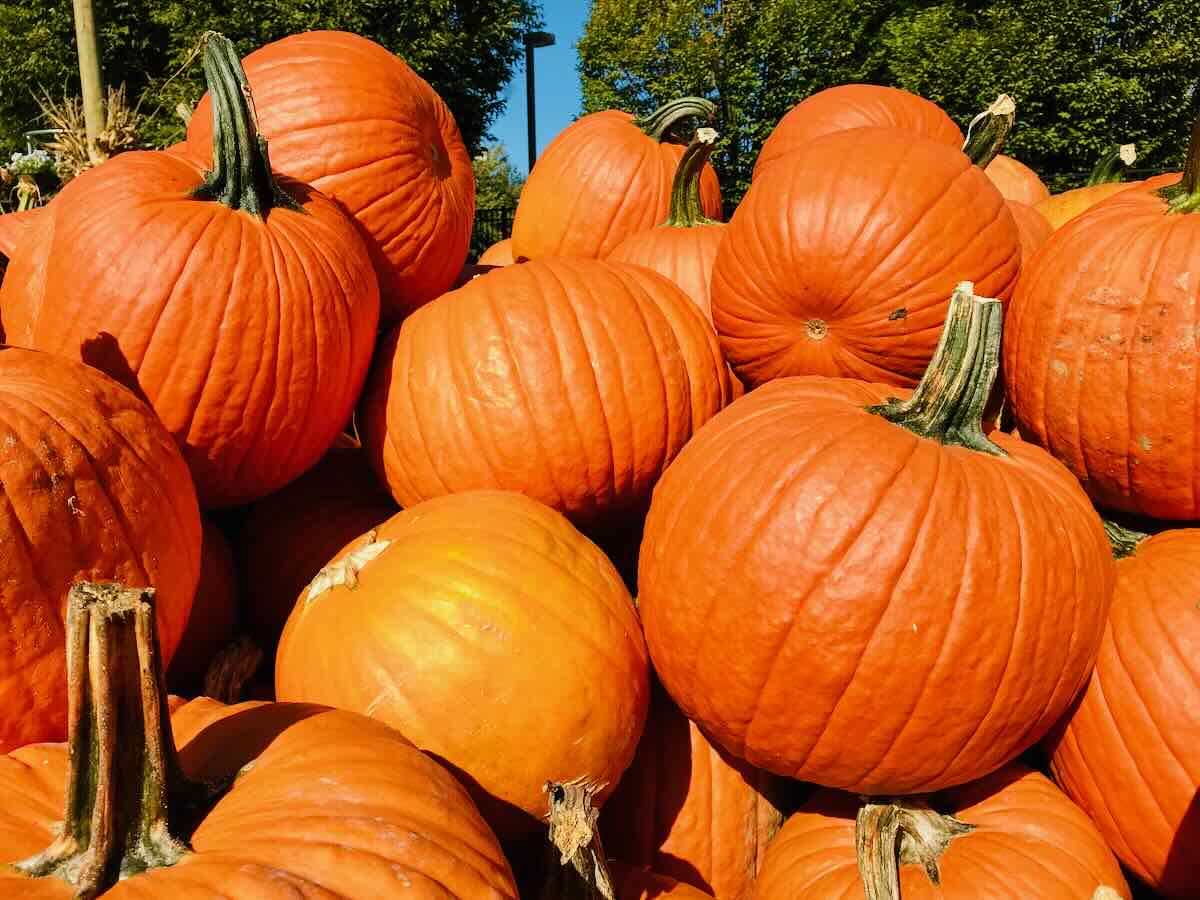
(859, 591)
(498, 254)
(1032, 226)
(849, 106)
(1104, 181)
(1016, 181)
(492, 635)
(606, 176)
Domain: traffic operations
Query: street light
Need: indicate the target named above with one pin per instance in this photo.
(533, 39)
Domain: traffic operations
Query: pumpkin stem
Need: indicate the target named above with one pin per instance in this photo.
(231, 670)
(575, 839)
(1110, 168)
(989, 130)
(686, 211)
(1184, 195)
(123, 777)
(241, 173)
(1124, 540)
(949, 403)
(658, 124)
(889, 834)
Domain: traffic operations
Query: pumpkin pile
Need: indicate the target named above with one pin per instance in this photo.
(840, 549)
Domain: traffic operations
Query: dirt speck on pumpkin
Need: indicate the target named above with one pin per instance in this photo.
(1058, 367)
(1145, 443)
(895, 314)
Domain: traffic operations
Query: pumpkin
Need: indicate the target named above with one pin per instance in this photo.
(1011, 834)
(269, 800)
(1103, 182)
(353, 120)
(574, 381)
(687, 810)
(471, 271)
(214, 613)
(606, 176)
(24, 282)
(1032, 226)
(492, 600)
(640, 883)
(13, 227)
(840, 262)
(289, 536)
(1126, 753)
(91, 487)
(859, 592)
(849, 106)
(246, 316)
(1101, 358)
(1016, 181)
(499, 254)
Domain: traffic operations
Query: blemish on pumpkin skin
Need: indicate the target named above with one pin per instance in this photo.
(1058, 367)
(895, 314)
(1145, 443)
(816, 329)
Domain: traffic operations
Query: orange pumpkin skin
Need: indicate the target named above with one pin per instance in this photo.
(1029, 841)
(214, 613)
(92, 488)
(24, 282)
(353, 120)
(639, 883)
(811, 542)
(1016, 181)
(13, 227)
(288, 536)
(686, 810)
(841, 262)
(499, 254)
(684, 255)
(856, 106)
(1031, 226)
(1127, 753)
(1100, 353)
(333, 805)
(574, 381)
(599, 181)
(213, 314)
(1059, 209)
(486, 598)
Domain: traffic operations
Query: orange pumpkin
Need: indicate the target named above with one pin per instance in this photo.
(499, 254)
(640, 883)
(1011, 834)
(606, 176)
(1016, 181)
(13, 227)
(1031, 226)
(1104, 181)
(91, 487)
(353, 120)
(24, 283)
(492, 635)
(574, 381)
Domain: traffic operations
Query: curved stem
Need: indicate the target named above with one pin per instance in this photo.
(659, 123)
(989, 130)
(231, 670)
(949, 403)
(241, 173)
(686, 211)
(888, 835)
(575, 839)
(1184, 195)
(1124, 540)
(1110, 168)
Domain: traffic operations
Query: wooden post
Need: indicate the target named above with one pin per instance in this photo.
(90, 82)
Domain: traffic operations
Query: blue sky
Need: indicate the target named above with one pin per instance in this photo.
(558, 97)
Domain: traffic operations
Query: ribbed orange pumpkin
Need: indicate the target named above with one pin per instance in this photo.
(574, 381)
(687, 810)
(1104, 181)
(13, 227)
(24, 283)
(861, 593)
(856, 106)
(1032, 226)
(91, 486)
(640, 883)
(491, 634)
(353, 120)
(213, 617)
(1016, 181)
(1129, 753)
(246, 316)
(499, 254)
(1025, 839)
(606, 176)
(840, 262)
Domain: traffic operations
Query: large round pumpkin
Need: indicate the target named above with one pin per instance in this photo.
(574, 381)
(263, 800)
(490, 633)
(213, 617)
(608, 175)
(1130, 752)
(1101, 359)
(1103, 182)
(353, 120)
(860, 592)
(840, 262)
(1032, 226)
(849, 106)
(243, 309)
(91, 487)
(1012, 835)
(1016, 181)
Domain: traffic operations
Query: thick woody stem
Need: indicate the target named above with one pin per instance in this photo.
(888, 835)
(989, 130)
(575, 840)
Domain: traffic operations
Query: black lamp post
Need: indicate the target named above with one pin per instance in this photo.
(533, 39)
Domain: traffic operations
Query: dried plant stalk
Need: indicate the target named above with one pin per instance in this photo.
(121, 125)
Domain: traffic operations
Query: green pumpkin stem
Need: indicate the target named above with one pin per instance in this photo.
(1110, 168)
(989, 130)
(124, 781)
(1184, 195)
(686, 211)
(241, 173)
(658, 124)
(949, 403)
(1124, 540)
(888, 835)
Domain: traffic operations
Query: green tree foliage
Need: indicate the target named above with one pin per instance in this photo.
(465, 48)
(497, 189)
(1085, 73)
